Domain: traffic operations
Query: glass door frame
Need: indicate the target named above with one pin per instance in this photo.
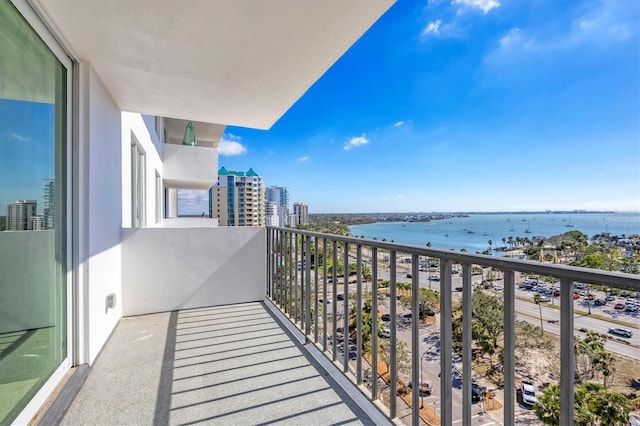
(43, 27)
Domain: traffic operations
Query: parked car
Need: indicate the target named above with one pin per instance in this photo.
(340, 296)
(544, 299)
(386, 332)
(610, 298)
(477, 392)
(600, 302)
(425, 387)
(619, 306)
(386, 317)
(631, 308)
(528, 394)
(622, 332)
(576, 296)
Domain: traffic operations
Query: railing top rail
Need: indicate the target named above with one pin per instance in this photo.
(572, 273)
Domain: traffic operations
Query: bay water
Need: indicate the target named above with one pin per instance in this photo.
(474, 232)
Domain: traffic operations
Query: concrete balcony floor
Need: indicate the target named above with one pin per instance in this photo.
(227, 365)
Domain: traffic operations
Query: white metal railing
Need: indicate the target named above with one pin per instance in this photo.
(298, 283)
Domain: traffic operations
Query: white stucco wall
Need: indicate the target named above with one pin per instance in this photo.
(101, 186)
(169, 269)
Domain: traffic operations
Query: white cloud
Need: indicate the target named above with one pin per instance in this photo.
(230, 145)
(400, 196)
(18, 137)
(484, 5)
(356, 141)
(401, 123)
(303, 159)
(432, 28)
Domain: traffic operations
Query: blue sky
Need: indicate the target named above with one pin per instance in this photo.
(466, 105)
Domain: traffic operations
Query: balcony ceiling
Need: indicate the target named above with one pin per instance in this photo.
(233, 62)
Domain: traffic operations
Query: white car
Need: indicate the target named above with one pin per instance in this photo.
(528, 394)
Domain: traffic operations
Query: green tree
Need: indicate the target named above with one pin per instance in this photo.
(593, 405)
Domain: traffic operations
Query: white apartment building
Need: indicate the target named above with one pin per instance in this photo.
(280, 195)
(301, 212)
(115, 83)
(271, 213)
(20, 213)
(237, 199)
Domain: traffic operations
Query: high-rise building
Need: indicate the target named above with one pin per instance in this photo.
(19, 215)
(280, 196)
(237, 199)
(301, 212)
(49, 201)
(271, 213)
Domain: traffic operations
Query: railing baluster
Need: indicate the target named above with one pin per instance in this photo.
(393, 356)
(345, 318)
(334, 319)
(315, 291)
(466, 342)
(359, 296)
(291, 270)
(509, 346)
(567, 355)
(446, 373)
(374, 325)
(298, 273)
(307, 288)
(416, 380)
(324, 294)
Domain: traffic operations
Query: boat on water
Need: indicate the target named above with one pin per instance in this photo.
(569, 225)
(528, 230)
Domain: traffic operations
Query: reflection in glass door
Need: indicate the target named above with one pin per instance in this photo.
(33, 133)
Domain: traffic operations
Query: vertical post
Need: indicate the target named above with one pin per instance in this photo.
(466, 342)
(269, 277)
(446, 373)
(509, 346)
(359, 296)
(393, 338)
(567, 355)
(345, 316)
(334, 281)
(291, 269)
(315, 291)
(298, 274)
(415, 342)
(307, 287)
(324, 295)
(374, 325)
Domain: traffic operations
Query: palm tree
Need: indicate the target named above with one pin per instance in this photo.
(538, 300)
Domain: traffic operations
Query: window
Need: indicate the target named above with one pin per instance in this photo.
(138, 167)
(158, 198)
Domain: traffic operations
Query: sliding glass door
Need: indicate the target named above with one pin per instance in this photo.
(33, 234)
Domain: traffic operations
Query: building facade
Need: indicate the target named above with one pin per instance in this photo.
(280, 196)
(301, 212)
(271, 213)
(237, 199)
(19, 214)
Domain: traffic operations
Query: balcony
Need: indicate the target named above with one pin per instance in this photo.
(189, 167)
(246, 325)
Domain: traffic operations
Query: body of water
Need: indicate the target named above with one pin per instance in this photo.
(473, 233)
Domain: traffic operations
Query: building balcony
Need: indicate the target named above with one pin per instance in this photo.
(189, 167)
(247, 326)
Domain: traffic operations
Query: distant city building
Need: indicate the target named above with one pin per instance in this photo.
(301, 213)
(293, 220)
(19, 215)
(271, 213)
(49, 201)
(237, 199)
(279, 195)
(37, 223)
